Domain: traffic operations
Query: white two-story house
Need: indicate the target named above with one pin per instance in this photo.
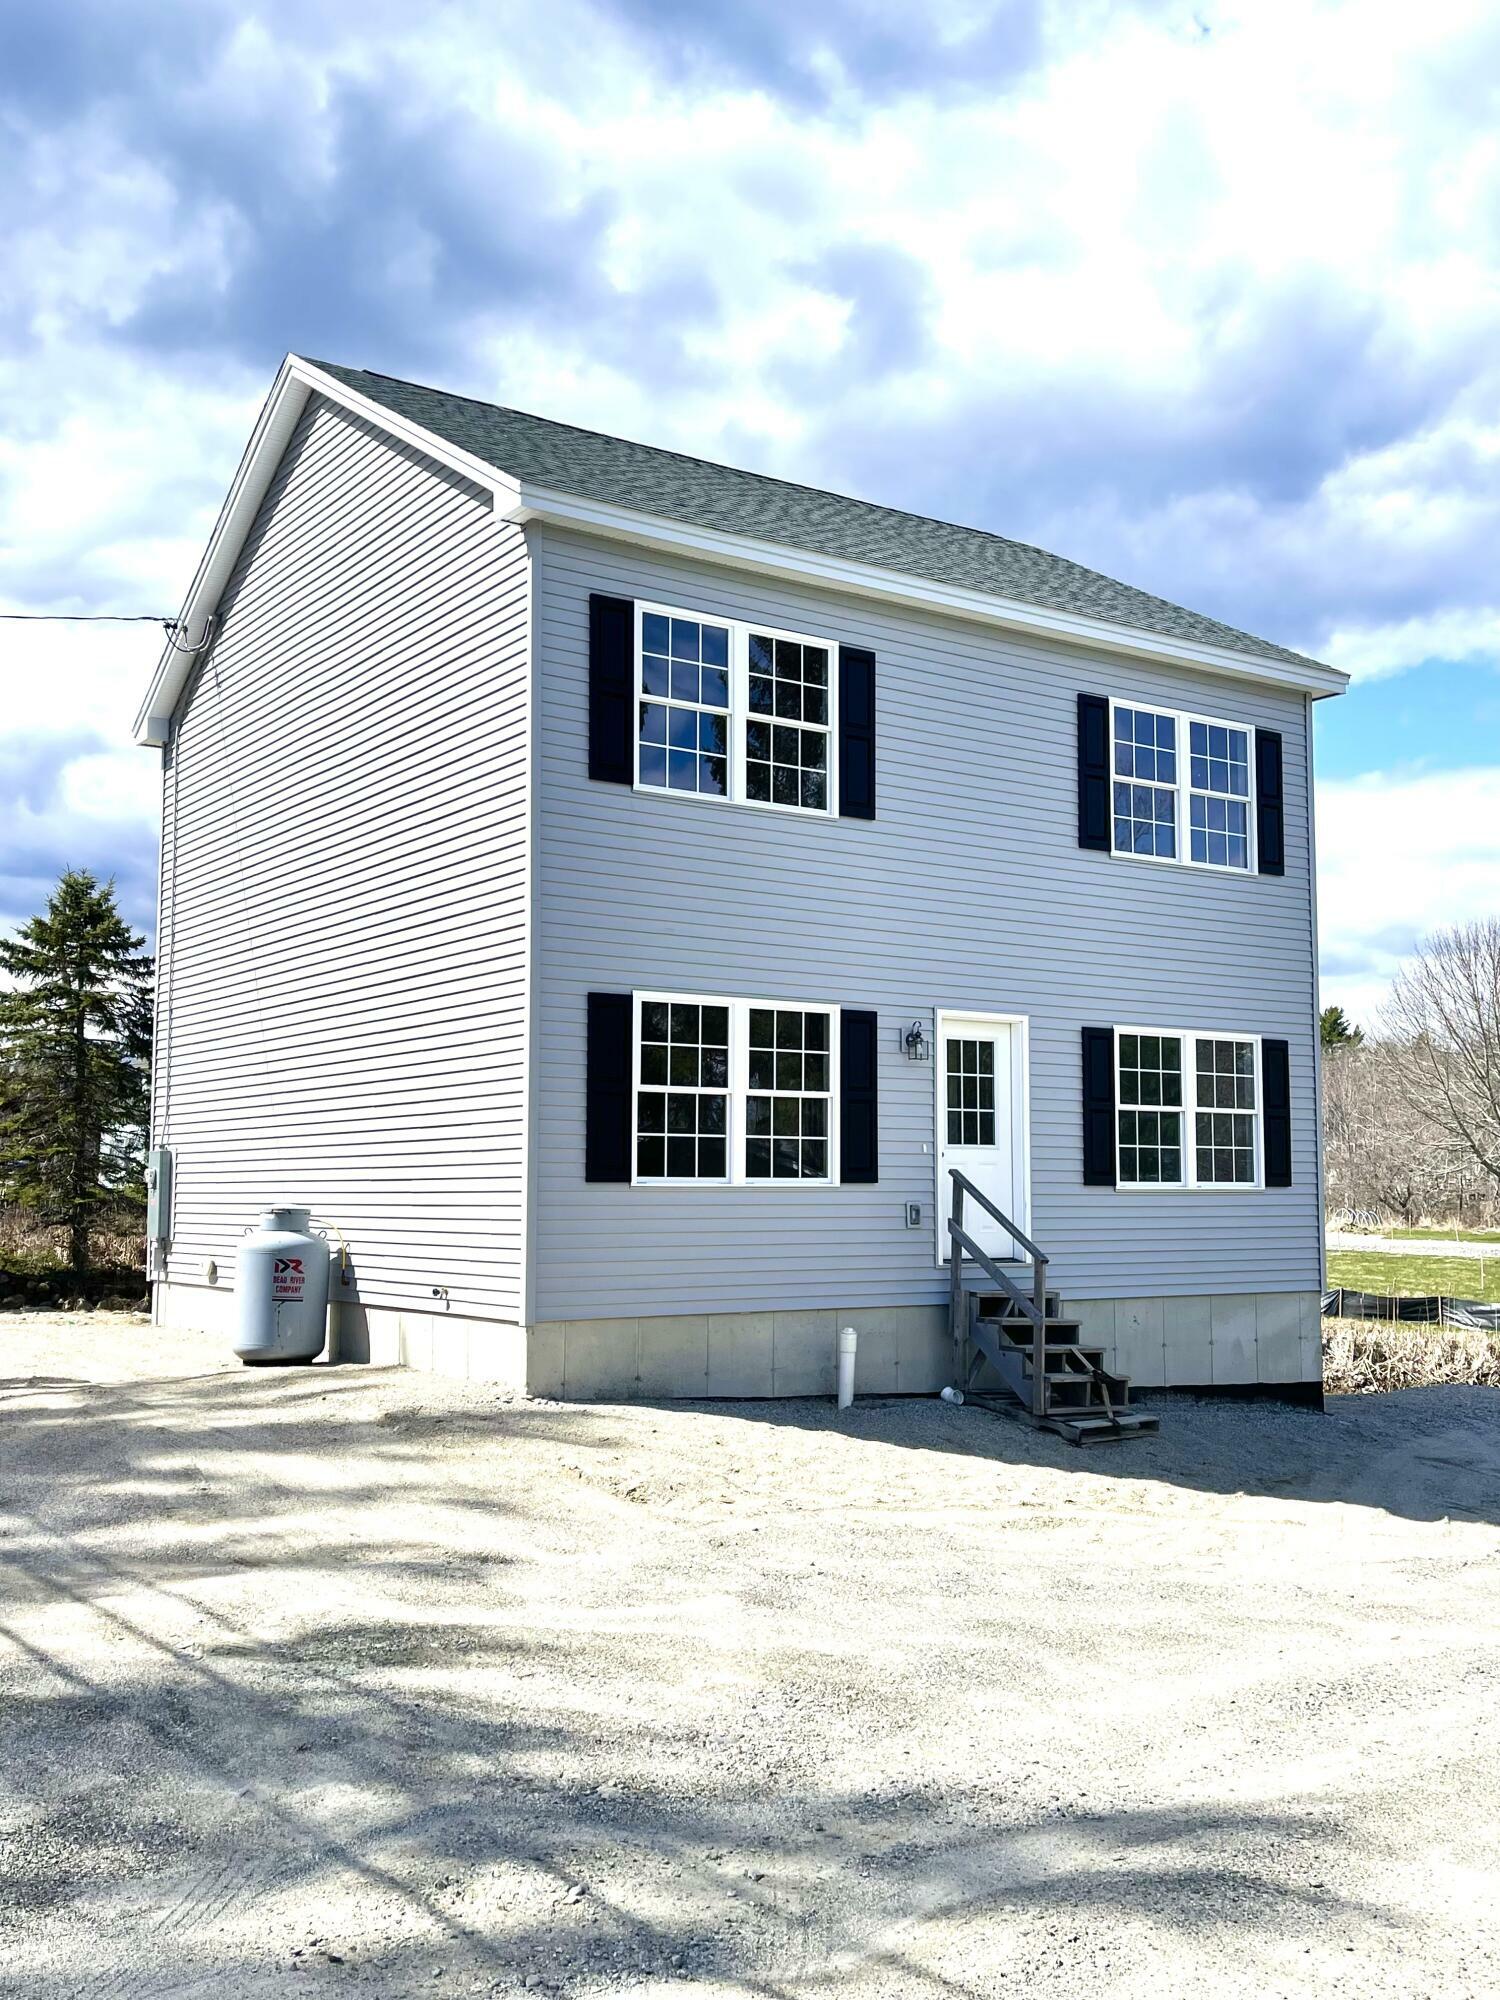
(616, 893)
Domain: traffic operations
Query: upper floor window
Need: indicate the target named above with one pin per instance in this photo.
(1218, 794)
(786, 758)
(684, 707)
(1145, 782)
(1181, 787)
(727, 710)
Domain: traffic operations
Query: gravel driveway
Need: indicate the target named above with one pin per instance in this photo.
(355, 1682)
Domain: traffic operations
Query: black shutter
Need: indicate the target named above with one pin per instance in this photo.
(856, 735)
(1276, 1092)
(859, 1106)
(611, 689)
(1099, 1107)
(1093, 774)
(1270, 844)
(606, 1149)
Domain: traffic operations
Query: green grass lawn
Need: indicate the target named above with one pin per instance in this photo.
(1396, 1276)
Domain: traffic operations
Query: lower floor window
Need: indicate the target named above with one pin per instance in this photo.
(1188, 1109)
(682, 1129)
(1151, 1108)
(1224, 1122)
(734, 1091)
(786, 1110)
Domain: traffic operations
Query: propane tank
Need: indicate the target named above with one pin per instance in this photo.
(281, 1279)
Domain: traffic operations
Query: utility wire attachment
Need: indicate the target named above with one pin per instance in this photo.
(171, 626)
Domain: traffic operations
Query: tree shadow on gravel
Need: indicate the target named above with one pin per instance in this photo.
(390, 1762)
(637, 1883)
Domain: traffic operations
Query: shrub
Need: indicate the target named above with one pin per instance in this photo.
(1362, 1356)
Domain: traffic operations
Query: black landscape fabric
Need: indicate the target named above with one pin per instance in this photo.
(1441, 1311)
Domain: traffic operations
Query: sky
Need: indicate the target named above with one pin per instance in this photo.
(1205, 296)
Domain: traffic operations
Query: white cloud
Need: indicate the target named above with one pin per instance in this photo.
(114, 785)
(1399, 856)
(1374, 651)
(76, 808)
(1205, 296)
(63, 679)
(117, 489)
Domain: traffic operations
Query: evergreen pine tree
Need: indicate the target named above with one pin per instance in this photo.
(74, 1061)
(1337, 1031)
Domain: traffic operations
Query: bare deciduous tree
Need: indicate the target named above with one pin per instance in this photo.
(1445, 1012)
(1380, 1152)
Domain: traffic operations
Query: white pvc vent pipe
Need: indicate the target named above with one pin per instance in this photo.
(848, 1343)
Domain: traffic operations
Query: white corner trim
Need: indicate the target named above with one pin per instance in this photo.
(518, 501)
(601, 517)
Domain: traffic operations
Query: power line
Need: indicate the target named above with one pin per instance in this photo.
(171, 626)
(89, 618)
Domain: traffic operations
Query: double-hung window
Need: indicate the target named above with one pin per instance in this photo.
(1218, 794)
(735, 1091)
(786, 726)
(683, 722)
(788, 1094)
(682, 1094)
(1146, 785)
(1181, 787)
(1188, 1109)
(735, 711)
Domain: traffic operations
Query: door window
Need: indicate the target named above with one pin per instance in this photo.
(971, 1092)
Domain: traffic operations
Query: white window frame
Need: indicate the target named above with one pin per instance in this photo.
(1190, 1183)
(738, 1089)
(739, 630)
(1184, 789)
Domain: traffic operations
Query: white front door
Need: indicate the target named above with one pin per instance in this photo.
(976, 1126)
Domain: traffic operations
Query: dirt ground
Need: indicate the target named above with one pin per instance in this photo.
(355, 1682)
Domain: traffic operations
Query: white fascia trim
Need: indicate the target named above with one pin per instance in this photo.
(514, 500)
(295, 381)
(500, 484)
(599, 517)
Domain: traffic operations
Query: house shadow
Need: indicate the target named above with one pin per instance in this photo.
(1424, 1454)
(1428, 1454)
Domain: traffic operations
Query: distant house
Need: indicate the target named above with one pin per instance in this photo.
(616, 892)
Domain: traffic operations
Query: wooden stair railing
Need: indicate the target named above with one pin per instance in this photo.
(961, 1245)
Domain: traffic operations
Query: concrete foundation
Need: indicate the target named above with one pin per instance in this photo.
(1223, 1340)
(477, 1350)
(1231, 1340)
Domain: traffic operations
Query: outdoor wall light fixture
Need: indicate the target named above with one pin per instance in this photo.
(916, 1044)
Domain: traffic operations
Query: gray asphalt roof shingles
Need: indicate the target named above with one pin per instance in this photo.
(592, 466)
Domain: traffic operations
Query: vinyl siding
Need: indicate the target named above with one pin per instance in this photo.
(344, 925)
(968, 893)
